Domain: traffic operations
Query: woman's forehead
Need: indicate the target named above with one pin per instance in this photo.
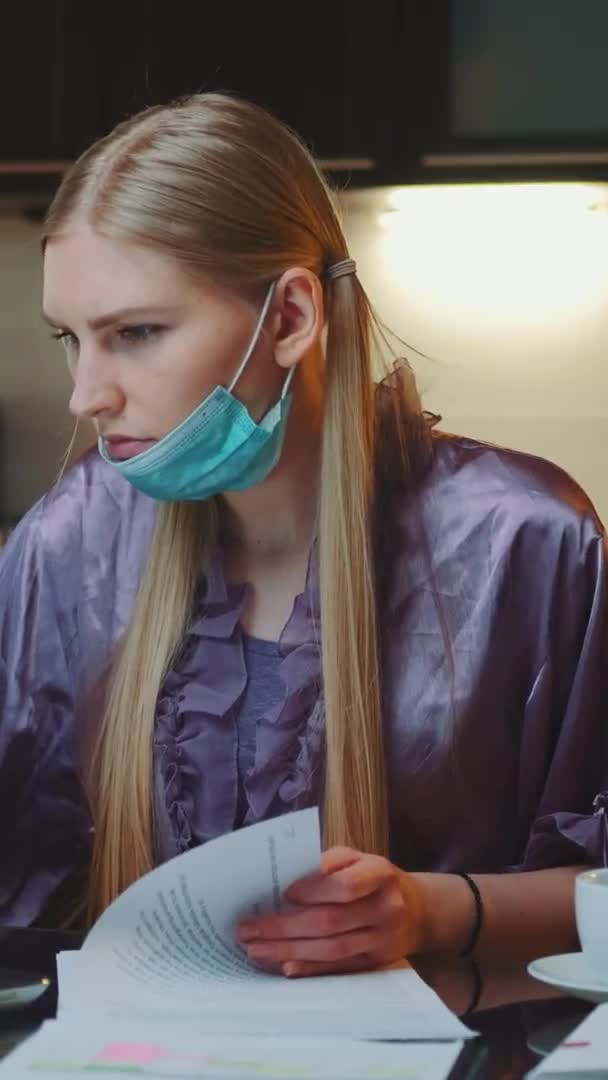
(89, 275)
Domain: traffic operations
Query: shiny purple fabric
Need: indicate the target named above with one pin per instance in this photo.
(493, 603)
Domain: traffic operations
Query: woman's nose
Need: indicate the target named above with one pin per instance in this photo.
(95, 391)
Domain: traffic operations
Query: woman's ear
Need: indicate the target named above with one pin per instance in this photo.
(298, 315)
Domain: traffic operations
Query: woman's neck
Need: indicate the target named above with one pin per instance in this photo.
(277, 518)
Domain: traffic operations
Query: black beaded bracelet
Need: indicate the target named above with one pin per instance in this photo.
(477, 988)
(475, 932)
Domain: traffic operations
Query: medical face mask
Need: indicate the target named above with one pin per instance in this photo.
(219, 447)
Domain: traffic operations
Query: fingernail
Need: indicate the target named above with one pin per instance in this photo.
(291, 968)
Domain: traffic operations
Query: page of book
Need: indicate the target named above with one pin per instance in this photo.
(583, 1054)
(167, 948)
(64, 1051)
(173, 931)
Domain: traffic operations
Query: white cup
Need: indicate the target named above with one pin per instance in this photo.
(591, 902)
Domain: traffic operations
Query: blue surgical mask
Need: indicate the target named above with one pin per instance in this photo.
(219, 447)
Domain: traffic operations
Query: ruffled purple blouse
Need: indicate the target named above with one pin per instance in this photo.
(493, 608)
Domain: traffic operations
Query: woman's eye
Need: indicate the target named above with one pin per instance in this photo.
(130, 335)
(65, 337)
(139, 334)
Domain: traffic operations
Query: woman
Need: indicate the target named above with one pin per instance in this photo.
(273, 585)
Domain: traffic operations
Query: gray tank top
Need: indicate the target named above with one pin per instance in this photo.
(264, 690)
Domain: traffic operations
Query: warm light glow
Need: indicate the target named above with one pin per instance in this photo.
(509, 251)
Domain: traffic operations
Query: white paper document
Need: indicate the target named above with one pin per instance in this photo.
(583, 1054)
(166, 949)
(172, 933)
(63, 1052)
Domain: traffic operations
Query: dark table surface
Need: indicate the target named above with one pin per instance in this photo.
(518, 1018)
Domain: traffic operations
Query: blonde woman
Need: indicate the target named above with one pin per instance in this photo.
(272, 585)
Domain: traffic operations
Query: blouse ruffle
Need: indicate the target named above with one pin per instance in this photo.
(196, 732)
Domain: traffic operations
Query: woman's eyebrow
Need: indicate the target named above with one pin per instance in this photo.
(117, 316)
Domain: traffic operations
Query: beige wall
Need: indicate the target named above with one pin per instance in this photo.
(504, 288)
(35, 426)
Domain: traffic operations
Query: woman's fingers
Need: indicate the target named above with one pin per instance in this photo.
(315, 920)
(334, 949)
(359, 912)
(296, 969)
(353, 881)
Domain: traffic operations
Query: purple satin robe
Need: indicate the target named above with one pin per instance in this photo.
(493, 610)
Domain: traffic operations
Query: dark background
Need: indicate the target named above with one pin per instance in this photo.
(384, 91)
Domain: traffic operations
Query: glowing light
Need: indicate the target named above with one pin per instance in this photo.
(529, 252)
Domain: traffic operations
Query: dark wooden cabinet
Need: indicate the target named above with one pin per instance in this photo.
(26, 84)
(49, 79)
(502, 90)
(382, 90)
(321, 67)
(70, 70)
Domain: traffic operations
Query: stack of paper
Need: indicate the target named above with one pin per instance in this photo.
(583, 1054)
(65, 1051)
(164, 955)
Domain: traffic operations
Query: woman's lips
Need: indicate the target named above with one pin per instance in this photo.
(122, 449)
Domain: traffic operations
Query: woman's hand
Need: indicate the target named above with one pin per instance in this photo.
(358, 912)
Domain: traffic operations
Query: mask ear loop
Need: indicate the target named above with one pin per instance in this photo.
(254, 338)
(288, 382)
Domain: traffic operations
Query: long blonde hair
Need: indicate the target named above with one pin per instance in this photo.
(221, 186)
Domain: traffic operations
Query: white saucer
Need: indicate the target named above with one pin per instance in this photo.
(571, 972)
(19, 996)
